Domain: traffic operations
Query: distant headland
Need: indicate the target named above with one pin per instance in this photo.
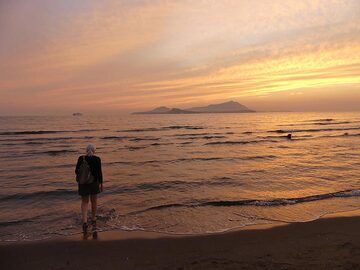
(226, 107)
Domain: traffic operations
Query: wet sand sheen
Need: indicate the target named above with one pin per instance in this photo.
(328, 243)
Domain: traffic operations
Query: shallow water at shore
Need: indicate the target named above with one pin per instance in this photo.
(178, 173)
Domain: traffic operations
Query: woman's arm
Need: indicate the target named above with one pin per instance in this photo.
(78, 165)
(100, 172)
(100, 176)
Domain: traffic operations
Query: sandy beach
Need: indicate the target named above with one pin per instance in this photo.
(332, 242)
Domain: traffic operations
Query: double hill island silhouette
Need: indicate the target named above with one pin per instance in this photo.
(226, 107)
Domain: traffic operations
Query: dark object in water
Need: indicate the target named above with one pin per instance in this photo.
(289, 136)
(346, 134)
(77, 114)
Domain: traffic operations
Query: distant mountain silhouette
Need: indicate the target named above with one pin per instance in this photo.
(179, 111)
(226, 107)
(157, 110)
(165, 110)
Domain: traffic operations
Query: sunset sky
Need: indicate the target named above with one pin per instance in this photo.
(121, 56)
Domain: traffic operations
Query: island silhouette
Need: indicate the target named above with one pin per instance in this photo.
(226, 107)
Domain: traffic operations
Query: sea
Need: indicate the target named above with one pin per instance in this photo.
(178, 174)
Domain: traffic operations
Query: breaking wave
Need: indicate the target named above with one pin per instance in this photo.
(254, 202)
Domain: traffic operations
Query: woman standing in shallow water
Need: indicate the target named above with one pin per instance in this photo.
(90, 182)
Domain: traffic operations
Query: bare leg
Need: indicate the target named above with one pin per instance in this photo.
(93, 198)
(84, 207)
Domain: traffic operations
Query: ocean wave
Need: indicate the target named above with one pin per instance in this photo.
(184, 127)
(238, 142)
(334, 123)
(45, 140)
(56, 152)
(7, 133)
(90, 130)
(209, 137)
(15, 222)
(222, 158)
(159, 144)
(321, 120)
(341, 135)
(38, 153)
(134, 148)
(313, 130)
(39, 132)
(320, 124)
(298, 137)
(179, 160)
(174, 184)
(206, 137)
(201, 134)
(144, 139)
(191, 134)
(260, 203)
(58, 193)
(163, 128)
(116, 137)
(185, 143)
(310, 137)
(49, 152)
(45, 167)
(140, 130)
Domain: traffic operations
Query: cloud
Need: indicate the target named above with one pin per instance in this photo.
(322, 57)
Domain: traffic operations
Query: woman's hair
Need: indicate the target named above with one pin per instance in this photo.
(90, 150)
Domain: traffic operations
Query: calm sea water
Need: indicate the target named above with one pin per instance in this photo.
(178, 173)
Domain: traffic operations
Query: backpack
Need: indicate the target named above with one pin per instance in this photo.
(84, 175)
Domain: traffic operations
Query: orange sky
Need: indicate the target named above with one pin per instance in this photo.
(119, 56)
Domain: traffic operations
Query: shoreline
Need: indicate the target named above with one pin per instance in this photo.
(331, 242)
(120, 235)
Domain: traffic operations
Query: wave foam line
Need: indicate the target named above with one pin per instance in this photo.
(253, 202)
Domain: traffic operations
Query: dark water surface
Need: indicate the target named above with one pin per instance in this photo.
(178, 173)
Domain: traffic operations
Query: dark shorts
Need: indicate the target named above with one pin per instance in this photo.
(88, 189)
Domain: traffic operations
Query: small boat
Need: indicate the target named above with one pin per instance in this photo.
(77, 114)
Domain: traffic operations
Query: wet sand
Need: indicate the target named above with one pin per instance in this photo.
(328, 243)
